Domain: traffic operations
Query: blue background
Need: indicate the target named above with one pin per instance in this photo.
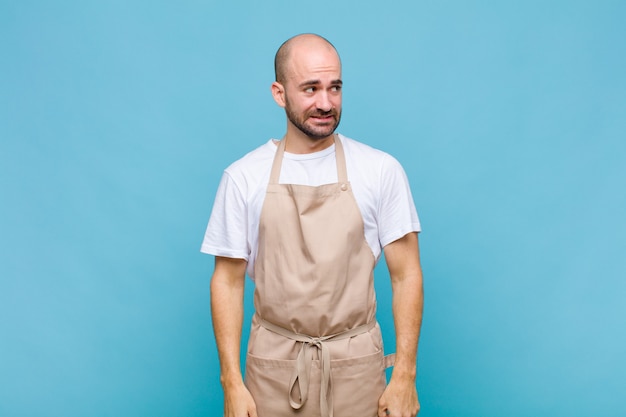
(117, 119)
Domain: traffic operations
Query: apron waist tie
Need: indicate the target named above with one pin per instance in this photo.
(302, 371)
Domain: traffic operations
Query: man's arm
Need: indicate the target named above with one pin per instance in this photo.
(400, 396)
(227, 286)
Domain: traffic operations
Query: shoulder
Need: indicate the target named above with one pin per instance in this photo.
(247, 173)
(364, 157)
(354, 146)
(247, 170)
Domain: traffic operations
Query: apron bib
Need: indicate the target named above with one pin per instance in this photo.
(315, 347)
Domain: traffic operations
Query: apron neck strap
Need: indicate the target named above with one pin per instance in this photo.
(340, 158)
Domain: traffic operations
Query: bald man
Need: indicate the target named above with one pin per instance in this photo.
(307, 217)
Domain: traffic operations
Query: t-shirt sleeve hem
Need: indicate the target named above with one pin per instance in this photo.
(227, 253)
(397, 234)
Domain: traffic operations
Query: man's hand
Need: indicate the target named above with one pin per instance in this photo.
(399, 400)
(238, 402)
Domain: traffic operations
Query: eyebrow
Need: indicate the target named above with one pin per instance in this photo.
(311, 83)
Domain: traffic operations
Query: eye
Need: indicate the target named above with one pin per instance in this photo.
(309, 90)
(335, 88)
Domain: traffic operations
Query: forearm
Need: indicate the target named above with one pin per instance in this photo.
(400, 396)
(227, 289)
(408, 301)
(405, 271)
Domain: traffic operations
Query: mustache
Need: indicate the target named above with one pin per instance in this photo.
(319, 113)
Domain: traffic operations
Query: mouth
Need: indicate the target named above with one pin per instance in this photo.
(326, 118)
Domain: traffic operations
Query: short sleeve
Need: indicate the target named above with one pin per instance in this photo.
(226, 234)
(397, 215)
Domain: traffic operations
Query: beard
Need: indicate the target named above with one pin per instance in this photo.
(315, 132)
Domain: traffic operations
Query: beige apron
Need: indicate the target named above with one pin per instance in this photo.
(315, 347)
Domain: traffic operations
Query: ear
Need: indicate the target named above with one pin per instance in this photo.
(278, 92)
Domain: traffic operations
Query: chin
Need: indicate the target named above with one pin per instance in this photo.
(321, 134)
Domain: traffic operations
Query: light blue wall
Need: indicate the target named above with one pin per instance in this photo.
(117, 119)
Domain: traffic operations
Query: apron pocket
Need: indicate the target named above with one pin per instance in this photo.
(268, 382)
(358, 384)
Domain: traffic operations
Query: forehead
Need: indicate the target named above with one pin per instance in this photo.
(318, 61)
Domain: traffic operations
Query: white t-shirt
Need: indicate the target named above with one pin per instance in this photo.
(378, 181)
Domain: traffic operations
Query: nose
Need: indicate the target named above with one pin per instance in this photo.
(323, 101)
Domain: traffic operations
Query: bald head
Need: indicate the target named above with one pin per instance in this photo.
(306, 41)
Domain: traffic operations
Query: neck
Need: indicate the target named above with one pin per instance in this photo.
(299, 143)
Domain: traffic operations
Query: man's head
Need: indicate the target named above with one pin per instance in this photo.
(308, 85)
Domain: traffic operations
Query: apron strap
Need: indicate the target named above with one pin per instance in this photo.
(302, 371)
(390, 360)
(278, 162)
(340, 157)
(342, 172)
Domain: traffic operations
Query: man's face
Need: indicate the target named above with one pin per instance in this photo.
(313, 92)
